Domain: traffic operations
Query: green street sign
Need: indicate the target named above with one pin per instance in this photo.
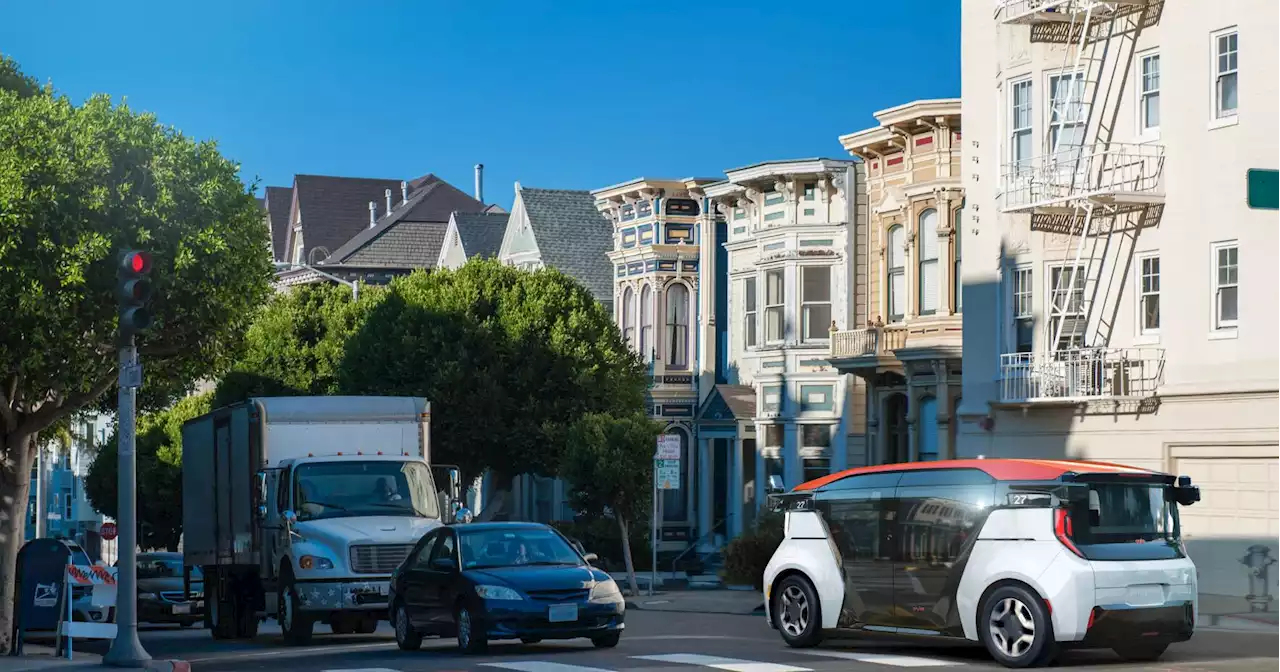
(1263, 188)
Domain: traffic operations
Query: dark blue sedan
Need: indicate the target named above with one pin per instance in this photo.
(487, 581)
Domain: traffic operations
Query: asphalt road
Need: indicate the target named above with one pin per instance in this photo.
(665, 642)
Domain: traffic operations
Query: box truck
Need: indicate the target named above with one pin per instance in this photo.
(300, 508)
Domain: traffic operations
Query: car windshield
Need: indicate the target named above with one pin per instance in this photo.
(151, 567)
(1124, 513)
(369, 488)
(514, 547)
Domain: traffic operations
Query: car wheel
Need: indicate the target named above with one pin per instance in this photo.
(472, 637)
(796, 612)
(294, 625)
(1015, 627)
(407, 637)
(1140, 652)
(606, 641)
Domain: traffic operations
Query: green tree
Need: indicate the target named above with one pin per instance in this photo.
(78, 184)
(609, 461)
(508, 358)
(159, 456)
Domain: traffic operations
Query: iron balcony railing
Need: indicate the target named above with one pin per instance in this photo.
(1123, 171)
(873, 341)
(1081, 375)
(1042, 11)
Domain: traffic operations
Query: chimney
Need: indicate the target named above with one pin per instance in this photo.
(404, 192)
(480, 182)
(373, 213)
(387, 193)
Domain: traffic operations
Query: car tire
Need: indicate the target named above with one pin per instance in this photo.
(472, 637)
(606, 641)
(1140, 652)
(407, 637)
(1014, 625)
(796, 612)
(296, 626)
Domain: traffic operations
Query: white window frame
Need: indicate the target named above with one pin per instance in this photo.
(750, 312)
(1220, 325)
(1016, 131)
(676, 319)
(1022, 293)
(1218, 116)
(927, 241)
(1143, 293)
(1074, 113)
(775, 311)
(891, 271)
(1143, 92)
(646, 344)
(824, 330)
(1081, 278)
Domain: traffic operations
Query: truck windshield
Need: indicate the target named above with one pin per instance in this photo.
(1125, 521)
(369, 488)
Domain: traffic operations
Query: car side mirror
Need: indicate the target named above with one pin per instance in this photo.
(443, 565)
(590, 558)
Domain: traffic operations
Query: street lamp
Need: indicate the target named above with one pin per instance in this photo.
(282, 266)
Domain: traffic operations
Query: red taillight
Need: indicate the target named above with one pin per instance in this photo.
(1062, 530)
(1092, 613)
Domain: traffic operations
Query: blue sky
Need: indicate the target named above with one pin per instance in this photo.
(567, 94)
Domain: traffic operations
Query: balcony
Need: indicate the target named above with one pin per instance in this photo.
(1038, 12)
(867, 345)
(1121, 176)
(1075, 376)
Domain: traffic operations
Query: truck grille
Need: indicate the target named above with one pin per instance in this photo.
(378, 559)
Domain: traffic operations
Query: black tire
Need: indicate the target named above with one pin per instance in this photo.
(296, 626)
(366, 625)
(407, 637)
(246, 619)
(1014, 624)
(796, 612)
(342, 625)
(530, 640)
(1141, 652)
(221, 611)
(472, 637)
(606, 641)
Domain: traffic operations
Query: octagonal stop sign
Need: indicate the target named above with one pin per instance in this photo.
(108, 531)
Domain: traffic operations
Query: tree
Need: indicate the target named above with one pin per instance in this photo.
(508, 358)
(78, 184)
(159, 456)
(609, 461)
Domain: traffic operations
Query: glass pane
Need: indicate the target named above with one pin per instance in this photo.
(773, 436)
(773, 323)
(895, 250)
(773, 288)
(1227, 304)
(1151, 311)
(1227, 92)
(816, 467)
(897, 294)
(749, 294)
(815, 283)
(677, 305)
(817, 321)
(815, 436)
(1151, 111)
(1025, 329)
(928, 286)
(929, 234)
(751, 329)
(1022, 146)
(646, 307)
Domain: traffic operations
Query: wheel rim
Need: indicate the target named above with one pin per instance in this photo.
(1013, 627)
(464, 627)
(402, 625)
(793, 612)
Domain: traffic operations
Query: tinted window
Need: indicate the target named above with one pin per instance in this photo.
(423, 553)
(937, 522)
(945, 477)
(887, 480)
(510, 547)
(1124, 521)
(445, 548)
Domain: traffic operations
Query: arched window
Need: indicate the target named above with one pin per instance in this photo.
(629, 317)
(646, 323)
(677, 327)
(675, 503)
(897, 272)
(927, 424)
(957, 284)
(928, 246)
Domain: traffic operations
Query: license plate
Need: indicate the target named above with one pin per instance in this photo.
(562, 613)
(181, 608)
(1142, 596)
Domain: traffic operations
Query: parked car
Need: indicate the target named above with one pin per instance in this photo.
(488, 581)
(160, 598)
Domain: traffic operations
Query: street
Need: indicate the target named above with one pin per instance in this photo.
(662, 642)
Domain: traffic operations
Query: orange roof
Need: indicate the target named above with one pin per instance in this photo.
(1001, 469)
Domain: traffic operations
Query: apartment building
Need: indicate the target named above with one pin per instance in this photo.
(903, 338)
(1121, 291)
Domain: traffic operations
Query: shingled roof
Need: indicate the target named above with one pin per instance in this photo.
(572, 236)
(279, 204)
(404, 245)
(481, 233)
(333, 209)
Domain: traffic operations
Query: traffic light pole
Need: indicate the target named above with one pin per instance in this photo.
(126, 648)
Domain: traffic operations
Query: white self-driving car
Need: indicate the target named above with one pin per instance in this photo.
(1025, 556)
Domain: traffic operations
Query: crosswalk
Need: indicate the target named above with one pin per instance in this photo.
(812, 660)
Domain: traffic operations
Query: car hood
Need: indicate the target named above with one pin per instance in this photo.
(366, 529)
(563, 577)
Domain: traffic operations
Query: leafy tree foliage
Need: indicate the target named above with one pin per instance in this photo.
(159, 458)
(78, 184)
(609, 461)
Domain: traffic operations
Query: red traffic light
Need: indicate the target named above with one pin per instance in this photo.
(137, 262)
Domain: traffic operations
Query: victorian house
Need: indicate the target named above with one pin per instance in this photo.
(903, 339)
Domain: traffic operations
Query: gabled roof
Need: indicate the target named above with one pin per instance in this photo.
(728, 403)
(572, 236)
(333, 209)
(404, 245)
(278, 203)
(481, 233)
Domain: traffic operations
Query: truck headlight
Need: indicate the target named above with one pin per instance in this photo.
(314, 562)
(497, 593)
(606, 591)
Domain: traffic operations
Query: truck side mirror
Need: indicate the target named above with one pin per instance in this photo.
(290, 517)
(455, 483)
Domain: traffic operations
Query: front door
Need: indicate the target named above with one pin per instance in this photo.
(416, 586)
(438, 579)
(860, 513)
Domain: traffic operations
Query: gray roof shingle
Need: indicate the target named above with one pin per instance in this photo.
(279, 203)
(333, 209)
(572, 236)
(404, 245)
(481, 233)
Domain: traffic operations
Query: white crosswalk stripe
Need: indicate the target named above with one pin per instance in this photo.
(884, 658)
(727, 664)
(542, 666)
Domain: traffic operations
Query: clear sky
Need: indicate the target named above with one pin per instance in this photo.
(570, 94)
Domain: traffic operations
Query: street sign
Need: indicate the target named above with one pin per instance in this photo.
(668, 447)
(131, 376)
(108, 531)
(668, 474)
(1262, 189)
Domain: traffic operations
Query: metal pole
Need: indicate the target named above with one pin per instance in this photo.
(126, 649)
(653, 535)
(42, 506)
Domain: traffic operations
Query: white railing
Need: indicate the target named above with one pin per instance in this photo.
(1118, 169)
(1037, 11)
(1081, 375)
(874, 341)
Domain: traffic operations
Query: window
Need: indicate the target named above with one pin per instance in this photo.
(422, 556)
(1023, 319)
(677, 327)
(815, 450)
(1149, 294)
(897, 274)
(297, 246)
(957, 284)
(749, 314)
(810, 191)
(1020, 133)
(1066, 115)
(646, 323)
(1066, 307)
(1226, 74)
(1149, 94)
(67, 504)
(815, 302)
(445, 549)
(628, 317)
(928, 237)
(928, 428)
(1226, 285)
(774, 305)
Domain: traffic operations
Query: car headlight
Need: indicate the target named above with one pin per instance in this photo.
(146, 596)
(497, 593)
(314, 562)
(606, 591)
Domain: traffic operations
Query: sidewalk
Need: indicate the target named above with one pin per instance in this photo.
(739, 602)
(1232, 613)
(38, 657)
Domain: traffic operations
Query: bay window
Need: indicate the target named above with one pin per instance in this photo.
(749, 312)
(774, 305)
(928, 237)
(646, 323)
(677, 327)
(628, 317)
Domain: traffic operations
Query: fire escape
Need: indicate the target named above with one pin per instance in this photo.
(1096, 194)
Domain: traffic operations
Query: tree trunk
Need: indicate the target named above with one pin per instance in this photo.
(15, 484)
(626, 555)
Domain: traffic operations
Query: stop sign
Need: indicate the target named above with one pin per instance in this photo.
(108, 531)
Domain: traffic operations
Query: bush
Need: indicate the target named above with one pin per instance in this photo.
(746, 557)
(600, 535)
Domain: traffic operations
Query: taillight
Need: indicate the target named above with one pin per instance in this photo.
(1092, 613)
(1062, 530)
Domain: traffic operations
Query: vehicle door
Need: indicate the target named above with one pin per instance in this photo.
(939, 514)
(859, 514)
(413, 586)
(278, 531)
(440, 577)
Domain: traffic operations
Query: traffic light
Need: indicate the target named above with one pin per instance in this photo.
(133, 291)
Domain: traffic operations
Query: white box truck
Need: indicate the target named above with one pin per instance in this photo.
(300, 508)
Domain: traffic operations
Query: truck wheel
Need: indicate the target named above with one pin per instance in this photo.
(295, 625)
(246, 619)
(366, 625)
(221, 610)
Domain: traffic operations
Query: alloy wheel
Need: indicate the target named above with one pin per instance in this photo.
(464, 627)
(793, 611)
(1013, 627)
